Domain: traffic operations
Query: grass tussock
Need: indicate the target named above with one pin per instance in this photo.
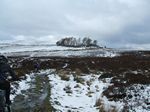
(102, 107)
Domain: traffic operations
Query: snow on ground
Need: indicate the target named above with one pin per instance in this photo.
(53, 50)
(65, 53)
(10, 48)
(21, 85)
(139, 100)
(80, 97)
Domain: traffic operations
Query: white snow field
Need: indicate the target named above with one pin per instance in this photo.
(53, 50)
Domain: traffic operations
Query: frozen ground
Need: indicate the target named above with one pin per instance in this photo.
(80, 97)
(20, 86)
(77, 94)
(53, 50)
(140, 98)
(71, 95)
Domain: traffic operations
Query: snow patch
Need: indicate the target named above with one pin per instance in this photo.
(82, 97)
(21, 85)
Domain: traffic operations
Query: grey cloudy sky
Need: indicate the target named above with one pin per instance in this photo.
(115, 23)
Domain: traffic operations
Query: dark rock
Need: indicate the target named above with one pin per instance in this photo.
(105, 75)
(130, 96)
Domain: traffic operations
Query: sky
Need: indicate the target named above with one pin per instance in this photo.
(114, 23)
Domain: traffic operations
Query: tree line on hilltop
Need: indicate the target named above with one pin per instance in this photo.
(73, 42)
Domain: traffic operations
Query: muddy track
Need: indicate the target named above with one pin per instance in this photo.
(36, 98)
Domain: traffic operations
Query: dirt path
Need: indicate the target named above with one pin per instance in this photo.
(36, 98)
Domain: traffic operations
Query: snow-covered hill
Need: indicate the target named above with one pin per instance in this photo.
(53, 50)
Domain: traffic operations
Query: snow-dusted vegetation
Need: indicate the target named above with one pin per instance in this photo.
(84, 93)
(76, 79)
(73, 42)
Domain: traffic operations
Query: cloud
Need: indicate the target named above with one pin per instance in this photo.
(31, 40)
(111, 22)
